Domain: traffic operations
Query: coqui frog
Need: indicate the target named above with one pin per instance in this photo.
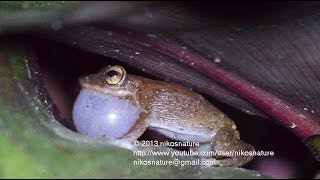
(115, 104)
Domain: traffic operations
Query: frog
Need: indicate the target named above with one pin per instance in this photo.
(168, 108)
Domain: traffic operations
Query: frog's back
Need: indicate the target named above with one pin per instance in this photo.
(180, 112)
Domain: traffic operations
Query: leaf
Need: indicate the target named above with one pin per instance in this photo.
(111, 43)
(24, 16)
(20, 16)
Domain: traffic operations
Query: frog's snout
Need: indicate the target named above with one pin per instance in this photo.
(99, 115)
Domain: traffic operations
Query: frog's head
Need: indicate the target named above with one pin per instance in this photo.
(112, 80)
(104, 106)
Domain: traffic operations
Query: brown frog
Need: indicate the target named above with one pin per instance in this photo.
(167, 108)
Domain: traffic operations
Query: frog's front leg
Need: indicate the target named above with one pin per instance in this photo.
(139, 127)
(226, 141)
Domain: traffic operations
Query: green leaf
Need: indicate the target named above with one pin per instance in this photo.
(22, 16)
(19, 16)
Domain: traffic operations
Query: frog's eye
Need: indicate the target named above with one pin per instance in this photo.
(115, 75)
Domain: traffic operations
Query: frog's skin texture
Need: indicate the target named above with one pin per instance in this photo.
(170, 109)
